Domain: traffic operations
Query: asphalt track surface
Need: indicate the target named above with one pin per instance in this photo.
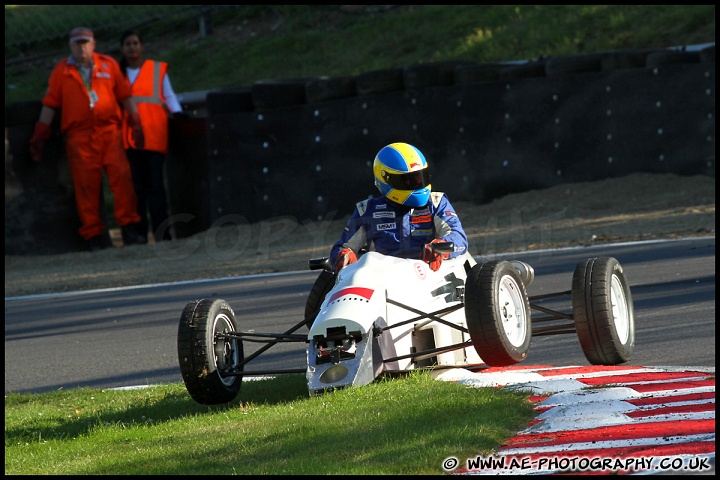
(126, 337)
(643, 417)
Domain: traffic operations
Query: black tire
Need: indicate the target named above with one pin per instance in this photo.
(533, 69)
(484, 72)
(229, 101)
(623, 59)
(380, 81)
(431, 74)
(573, 64)
(603, 311)
(707, 54)
(267, 94)
(323, 89)
(201, 357)
(501, 336)
(324, 283)
(671, 57)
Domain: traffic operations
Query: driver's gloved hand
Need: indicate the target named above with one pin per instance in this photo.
(434, 259)
(345, 257)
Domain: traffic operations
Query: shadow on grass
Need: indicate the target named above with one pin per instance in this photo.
(150, 405)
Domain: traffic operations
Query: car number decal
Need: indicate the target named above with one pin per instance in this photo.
(420, 270)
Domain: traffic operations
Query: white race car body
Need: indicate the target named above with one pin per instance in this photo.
(376, 316)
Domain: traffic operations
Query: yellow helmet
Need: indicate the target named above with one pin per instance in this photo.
(402, 174)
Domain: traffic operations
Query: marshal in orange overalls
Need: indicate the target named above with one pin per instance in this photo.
(92, 129)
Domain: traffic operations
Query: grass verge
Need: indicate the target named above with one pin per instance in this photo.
(403, 425)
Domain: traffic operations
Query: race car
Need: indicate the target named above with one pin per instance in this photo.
(388, 315)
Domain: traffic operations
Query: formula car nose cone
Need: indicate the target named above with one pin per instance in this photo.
(334, 374)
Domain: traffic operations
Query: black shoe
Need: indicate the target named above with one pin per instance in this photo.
(98, 242)
(131, 235)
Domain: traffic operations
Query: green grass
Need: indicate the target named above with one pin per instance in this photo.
(393, 426)
(253, 43)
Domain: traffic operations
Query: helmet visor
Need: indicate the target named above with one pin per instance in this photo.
(408, 181)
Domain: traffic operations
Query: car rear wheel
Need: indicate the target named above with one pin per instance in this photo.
(497, 311)
(603, 311)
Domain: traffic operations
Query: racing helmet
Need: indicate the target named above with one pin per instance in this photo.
(402, 175)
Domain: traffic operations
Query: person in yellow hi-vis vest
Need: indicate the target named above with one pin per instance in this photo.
(154, 96)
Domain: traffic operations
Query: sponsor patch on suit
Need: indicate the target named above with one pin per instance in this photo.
(420, 219)
(386, 226)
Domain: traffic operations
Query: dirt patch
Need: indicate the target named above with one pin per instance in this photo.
(636, 207)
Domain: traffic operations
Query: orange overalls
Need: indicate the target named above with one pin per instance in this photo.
(91, 124)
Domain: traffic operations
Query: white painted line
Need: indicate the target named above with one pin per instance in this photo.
(588, 409)
(684, 391)
(675, 404)
(548, 386)
(152, 285)
(136, 387)
(602, 419)
(586, 247)
(262, 275)
(602, 373)
(675, 368)
(656, 382)
(590, 396)
(489, 379)
(616, 393)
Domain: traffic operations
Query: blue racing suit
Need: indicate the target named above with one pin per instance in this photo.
(383, 226)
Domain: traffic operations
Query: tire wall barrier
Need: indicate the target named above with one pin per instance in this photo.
(304, 147)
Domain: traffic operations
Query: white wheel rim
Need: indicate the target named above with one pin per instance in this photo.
(512, 311)
(225, 352)
(621, 316)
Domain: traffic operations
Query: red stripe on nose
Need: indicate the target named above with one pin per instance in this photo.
(366, 293)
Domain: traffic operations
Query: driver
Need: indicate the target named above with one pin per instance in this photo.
(406, 219)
